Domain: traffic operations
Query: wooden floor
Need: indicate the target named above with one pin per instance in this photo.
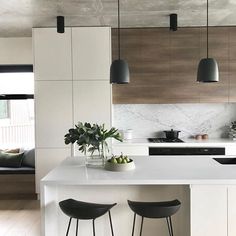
(19, 218)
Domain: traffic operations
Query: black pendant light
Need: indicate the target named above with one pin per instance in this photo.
(60, 24)
(208, 70)
(119, 70)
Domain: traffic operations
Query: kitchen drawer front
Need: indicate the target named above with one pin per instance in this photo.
(130, 150)
(230, 150)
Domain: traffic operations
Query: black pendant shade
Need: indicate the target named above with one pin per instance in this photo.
(119, 70)
(60, 24)
(208, 70)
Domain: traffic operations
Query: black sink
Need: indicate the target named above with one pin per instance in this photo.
(226, 161)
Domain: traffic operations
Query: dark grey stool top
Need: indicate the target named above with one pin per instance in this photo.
(84, 210)
(155, 209)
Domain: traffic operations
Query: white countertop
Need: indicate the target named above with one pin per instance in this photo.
(168, 170)
(187, 143)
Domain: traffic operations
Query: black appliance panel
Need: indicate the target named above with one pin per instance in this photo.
(155, 151)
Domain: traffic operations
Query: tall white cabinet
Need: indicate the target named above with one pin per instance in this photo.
(71, 85)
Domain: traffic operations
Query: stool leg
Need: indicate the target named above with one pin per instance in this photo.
(167, 221)
(93, 227)
(169, 224)
(112, 233)
(68, 228)
(171, 227)
(141, 229)
(133, 224)
(77, 223)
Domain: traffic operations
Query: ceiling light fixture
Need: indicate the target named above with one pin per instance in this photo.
(173, 22)
(119, 70)
(60, 24)
(208, 70)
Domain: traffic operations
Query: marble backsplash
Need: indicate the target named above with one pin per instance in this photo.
(149, 120)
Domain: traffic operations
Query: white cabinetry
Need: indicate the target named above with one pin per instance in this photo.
(230, 149)
(92, 102)
(63, 97)
(47, 159)
(231, 210)
(91, 47)
(213, 210)
(52, 54)
(53, 112)
(208, 210)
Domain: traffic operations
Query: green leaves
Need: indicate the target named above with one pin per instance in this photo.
(91, 137)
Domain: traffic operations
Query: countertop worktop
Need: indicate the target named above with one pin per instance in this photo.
(152, 170)
(186, 143)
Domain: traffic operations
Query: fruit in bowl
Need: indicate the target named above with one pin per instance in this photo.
(120, 159)
(119, 163)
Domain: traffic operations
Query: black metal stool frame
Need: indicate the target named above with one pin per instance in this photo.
(168, 221)
(93, 220)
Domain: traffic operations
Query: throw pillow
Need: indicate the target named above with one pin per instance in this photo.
(29, 158)
(11, 159)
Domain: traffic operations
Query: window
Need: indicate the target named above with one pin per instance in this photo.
(4, 112)
(16, 107)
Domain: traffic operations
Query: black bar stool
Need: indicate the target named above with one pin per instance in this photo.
(85, 211)
(155, 210)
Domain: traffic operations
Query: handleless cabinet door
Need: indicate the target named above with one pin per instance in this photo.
(91, 49)
(92, 102)
(231, 210)
(52, 54)
(53, 109)
(209, 210)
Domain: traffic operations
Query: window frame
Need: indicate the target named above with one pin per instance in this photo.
(14, 68)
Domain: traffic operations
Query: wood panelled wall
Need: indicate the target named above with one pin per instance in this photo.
(163, 65)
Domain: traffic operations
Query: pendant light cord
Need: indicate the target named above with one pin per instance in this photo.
(207, 28)
(119, 28)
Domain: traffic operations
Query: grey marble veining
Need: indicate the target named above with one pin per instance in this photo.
(192, 119)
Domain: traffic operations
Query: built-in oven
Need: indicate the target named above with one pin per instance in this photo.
(161, 151)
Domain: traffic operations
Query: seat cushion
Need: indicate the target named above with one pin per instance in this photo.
(16, 171)
(11, 159)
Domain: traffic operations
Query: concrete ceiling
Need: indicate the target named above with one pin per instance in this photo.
(17, 17)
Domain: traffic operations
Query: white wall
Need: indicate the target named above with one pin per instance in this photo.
(147, 120)
(16, 51)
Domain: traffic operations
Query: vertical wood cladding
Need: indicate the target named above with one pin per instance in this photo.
(163, 65)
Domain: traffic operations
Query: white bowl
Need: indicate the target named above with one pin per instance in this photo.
(120, 167)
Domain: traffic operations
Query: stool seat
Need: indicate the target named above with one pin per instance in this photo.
(84, 210)
(155, 209)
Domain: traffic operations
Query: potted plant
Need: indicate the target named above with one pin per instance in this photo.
(92, 138)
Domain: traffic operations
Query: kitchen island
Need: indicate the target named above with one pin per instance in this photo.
(206, 189)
